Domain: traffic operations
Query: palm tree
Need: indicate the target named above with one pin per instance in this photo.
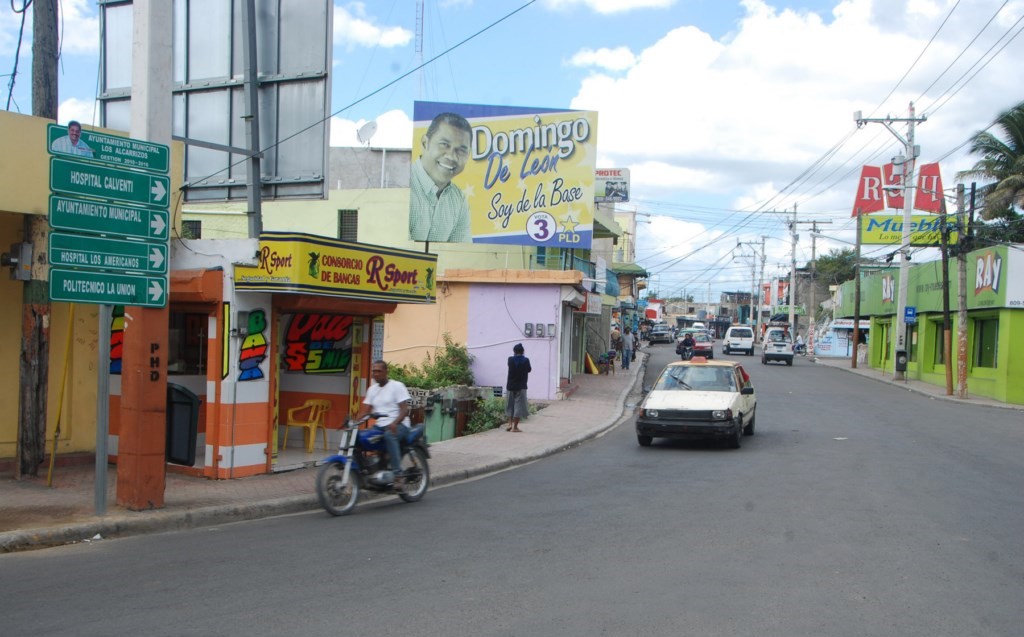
(1001, 164)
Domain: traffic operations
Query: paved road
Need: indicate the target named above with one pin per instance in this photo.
(857, 509)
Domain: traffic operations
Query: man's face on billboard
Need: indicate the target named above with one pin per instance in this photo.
(445, 153)
(74, 132)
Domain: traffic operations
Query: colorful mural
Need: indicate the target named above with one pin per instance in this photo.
(116, 339)
(254, 347)
(318, 343)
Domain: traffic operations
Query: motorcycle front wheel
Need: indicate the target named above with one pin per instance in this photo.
(417, 475)
(335, 498)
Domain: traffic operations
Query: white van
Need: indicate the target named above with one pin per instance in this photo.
(738, 338)
(777, 346)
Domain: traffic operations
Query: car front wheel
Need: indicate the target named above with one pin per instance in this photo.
(736, 439)
(644, 441)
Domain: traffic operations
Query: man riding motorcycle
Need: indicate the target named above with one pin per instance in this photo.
(390, 398)
(686, 345)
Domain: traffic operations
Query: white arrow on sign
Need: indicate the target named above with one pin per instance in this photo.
(158, 190)
(158, 224)
(156, 257)
(156, 291)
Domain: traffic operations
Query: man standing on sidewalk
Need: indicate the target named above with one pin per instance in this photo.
(628, 343)
(517, 406)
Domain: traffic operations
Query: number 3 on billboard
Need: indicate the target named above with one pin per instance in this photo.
(540, 226)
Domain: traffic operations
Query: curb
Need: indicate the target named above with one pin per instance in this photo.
(128, 524)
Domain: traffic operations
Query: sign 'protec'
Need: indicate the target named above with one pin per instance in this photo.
(79, 178)
(83, 286)
(111, 149)
(83, 251)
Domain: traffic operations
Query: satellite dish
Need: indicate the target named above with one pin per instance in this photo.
(366, 131)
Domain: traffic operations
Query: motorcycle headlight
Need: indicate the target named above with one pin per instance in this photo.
(722, 414)
(651, 413)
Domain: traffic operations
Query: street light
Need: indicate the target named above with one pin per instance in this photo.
(912, 152)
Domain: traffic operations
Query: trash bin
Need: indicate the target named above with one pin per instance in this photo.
(182, 425)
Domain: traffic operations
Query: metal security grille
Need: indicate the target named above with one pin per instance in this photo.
(192, 229)
(348, 225)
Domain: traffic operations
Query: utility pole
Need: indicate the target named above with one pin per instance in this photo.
(912, 152)
(813, 308)
(856, 296)
(34, 370)
(946, 327)
(760, 291)
(961, 315)
(792, 276)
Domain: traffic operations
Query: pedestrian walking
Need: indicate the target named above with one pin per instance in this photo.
(628, 343)
(516, 405)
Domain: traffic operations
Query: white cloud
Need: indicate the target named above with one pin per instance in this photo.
(83, 111)
(610, 6)
(617, 59)
(353, 28)
(394, 130)
(763, 104)
(80, 28)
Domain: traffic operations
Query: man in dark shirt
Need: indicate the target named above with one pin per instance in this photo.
(516, 406)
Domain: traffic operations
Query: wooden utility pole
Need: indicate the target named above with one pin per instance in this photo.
(961, 293)
(946, 324)
(34, 368)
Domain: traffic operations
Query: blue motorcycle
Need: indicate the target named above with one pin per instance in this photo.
(362, 463)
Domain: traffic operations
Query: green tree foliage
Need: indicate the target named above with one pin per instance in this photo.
(450, 365)
(1001, 166)
(837, 266)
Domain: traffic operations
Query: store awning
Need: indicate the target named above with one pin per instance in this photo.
(628, 268)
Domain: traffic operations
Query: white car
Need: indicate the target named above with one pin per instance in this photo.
(738, 339)
(698, 399)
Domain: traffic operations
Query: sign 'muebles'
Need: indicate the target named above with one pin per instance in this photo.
(115, 184)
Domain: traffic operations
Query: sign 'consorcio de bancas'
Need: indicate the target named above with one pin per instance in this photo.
(301, 263)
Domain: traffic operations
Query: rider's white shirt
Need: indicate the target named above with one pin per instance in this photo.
(387, 400)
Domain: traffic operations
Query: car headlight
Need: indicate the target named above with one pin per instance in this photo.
(651, 413)
(721, 414)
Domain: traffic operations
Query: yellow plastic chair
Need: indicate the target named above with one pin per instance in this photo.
(316, 412)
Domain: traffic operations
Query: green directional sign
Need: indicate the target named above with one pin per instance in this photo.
(83, 286)
(108, 149)
(87, 215)
(73, 177)
(84, 251)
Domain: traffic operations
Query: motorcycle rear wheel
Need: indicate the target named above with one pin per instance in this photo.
(417, 472)
(334, 498)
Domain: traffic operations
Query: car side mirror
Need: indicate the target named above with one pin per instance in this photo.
(747, 391)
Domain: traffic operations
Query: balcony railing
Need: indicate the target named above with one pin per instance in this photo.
(559, 260)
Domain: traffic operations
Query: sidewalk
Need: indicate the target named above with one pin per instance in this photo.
(34, 516)
(920, 387)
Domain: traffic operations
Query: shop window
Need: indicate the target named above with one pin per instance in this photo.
(348, 225)
(986, 342)
(940, 354)
(192, 229)
(912, 340)
(188, 343)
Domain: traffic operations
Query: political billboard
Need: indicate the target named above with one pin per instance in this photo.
(502, 174)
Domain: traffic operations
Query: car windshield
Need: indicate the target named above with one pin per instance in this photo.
(693, 377)
(780, 337)
(742, 334)
(702, 338)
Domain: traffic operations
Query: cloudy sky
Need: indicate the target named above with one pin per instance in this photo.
(728, 113)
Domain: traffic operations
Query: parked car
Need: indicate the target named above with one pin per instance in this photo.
(659, 334)
(777, 346)
(698, 399)
(738, 338)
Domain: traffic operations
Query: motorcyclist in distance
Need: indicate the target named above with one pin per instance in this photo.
(390, 398)
(688, 340)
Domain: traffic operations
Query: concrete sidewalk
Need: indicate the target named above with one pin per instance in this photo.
(920, 387)
(34, 516)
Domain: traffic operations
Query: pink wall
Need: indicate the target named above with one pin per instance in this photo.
(497, 313)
